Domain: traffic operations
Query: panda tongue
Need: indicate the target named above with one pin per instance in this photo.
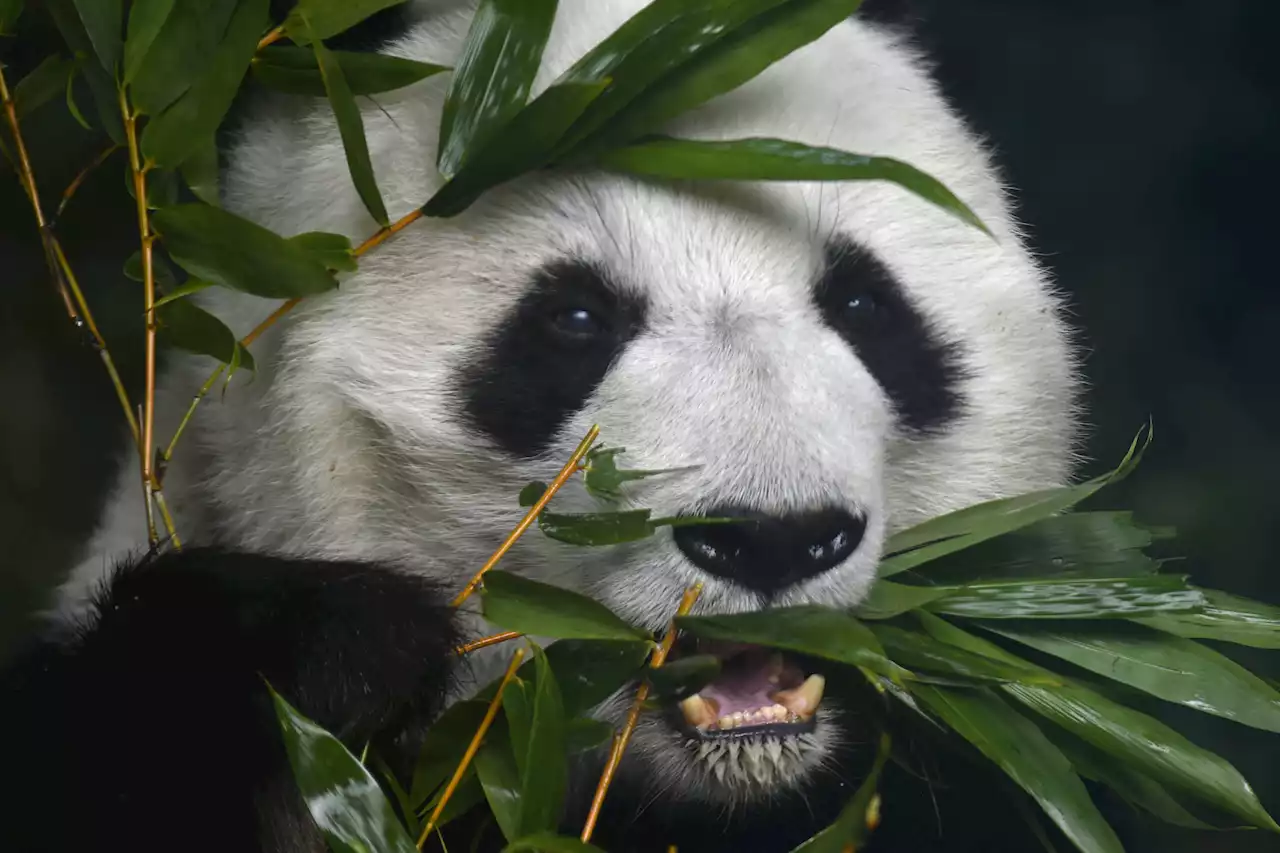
(749, 681)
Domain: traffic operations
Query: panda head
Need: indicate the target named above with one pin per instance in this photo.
(832, 362)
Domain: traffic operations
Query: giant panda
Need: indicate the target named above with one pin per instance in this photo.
(832, 362)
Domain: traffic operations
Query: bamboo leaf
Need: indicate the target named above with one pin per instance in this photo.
(809, 630)
(851, 828)
(545, 842)
(10, 11)
(888, 599)
(539, 127)
(190, 286)
(530, 607)
(1051, 598)
(544, 772)
(200, 172)
(1172, 668)
(72, 106)
(230, 251)
(332, 250)
(326, 18)
(443, 747)
(599, 668)
(173, 135)
(921, 653)
(101, 84)
(584, 734)
(1029, 758)
(597, 528)
(42, 84)
(183, 50)
(146, 19)
(500, 58)
(351, 129)
(965, 528)
(500, 778)
(344, 800)
(187, 326)
(682, 677)
(604, 478)
(103, 21)
(286, 68)
(1226, 618)
(735, 51)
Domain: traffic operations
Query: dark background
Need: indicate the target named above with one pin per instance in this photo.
(1142, 138)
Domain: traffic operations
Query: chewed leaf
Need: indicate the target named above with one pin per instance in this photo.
(1172, 668)
(1029, 758)
(494, 75)
(344, 799)
(1226, 618)
(776, 160)
(808, 630)
(1100, 598)
(293, 69)
(530, 607)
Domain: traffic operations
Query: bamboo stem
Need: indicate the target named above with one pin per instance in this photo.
(485, 642)
(80, 178)
(472, 748)
(272, 37)
(623, 737)
(570, 468)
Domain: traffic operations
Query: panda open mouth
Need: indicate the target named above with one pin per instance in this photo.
(759, 692)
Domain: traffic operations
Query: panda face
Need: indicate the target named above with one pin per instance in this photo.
(829, 362)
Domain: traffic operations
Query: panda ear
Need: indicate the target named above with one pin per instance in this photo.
(894, 13)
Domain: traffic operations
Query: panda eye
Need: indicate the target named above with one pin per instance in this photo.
(860, 308)
(577, 324)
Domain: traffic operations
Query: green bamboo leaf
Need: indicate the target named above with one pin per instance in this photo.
(599, 668)
(230, 251)
(190, 121)
(546, 842)
(1029, 758)
(1226, 618)
(294, 69)
(182, 51)
(72, 106)
(924, 654)
(1075, 545)
(888, 599)
(326, 18)
(187, 326)
(531, 492)
(597, 528)
(682, 677)
(651, 47)
(1052, 598)
(443, 747)
(332, 250)
(500, 778)
(344, 800)
(160, 270)
(146, 19)
(200, 172)
(405, 808)
(103, 21)
(539, 127)
(351, 129)
(584, 734)
(965, 528)
(10, 11)
(1172, 668)
(808, 629)
(42, 84)
(544, 772)
(851, 828)
(604, 478)
(101, 84)
(530, 607)
(190, 286)
(500, 58)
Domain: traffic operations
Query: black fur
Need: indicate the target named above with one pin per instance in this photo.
(150, 728)
(536, 369)
(861, 299)
(896, 13)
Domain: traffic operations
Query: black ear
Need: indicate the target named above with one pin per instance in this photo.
(153, 715)
(895, 13)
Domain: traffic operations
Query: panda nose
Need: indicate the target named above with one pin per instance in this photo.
(769, 553)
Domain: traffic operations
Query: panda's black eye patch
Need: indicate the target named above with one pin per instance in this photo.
(548, 355)
(860, 298)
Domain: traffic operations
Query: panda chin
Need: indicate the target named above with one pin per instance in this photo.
(758, 728)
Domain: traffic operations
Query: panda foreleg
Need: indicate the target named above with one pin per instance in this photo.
(147, 726)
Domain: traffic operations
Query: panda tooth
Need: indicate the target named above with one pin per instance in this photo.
(726, 722)
(805, 699)
(697, 712)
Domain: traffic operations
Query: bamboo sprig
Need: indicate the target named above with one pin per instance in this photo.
(472, 748)
(623, 737)
(272, 37)
(64, 279)
(485, 642)
(570, 468)
(372, 242)
(79, 180)
(146, 238)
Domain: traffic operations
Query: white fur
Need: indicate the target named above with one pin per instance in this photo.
(349, 443)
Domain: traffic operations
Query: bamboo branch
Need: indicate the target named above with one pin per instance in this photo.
(472, 748)
(485, 642)
(570, 468)
(64, 279)
(623, 737)
(272, 37)
(80, 179)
